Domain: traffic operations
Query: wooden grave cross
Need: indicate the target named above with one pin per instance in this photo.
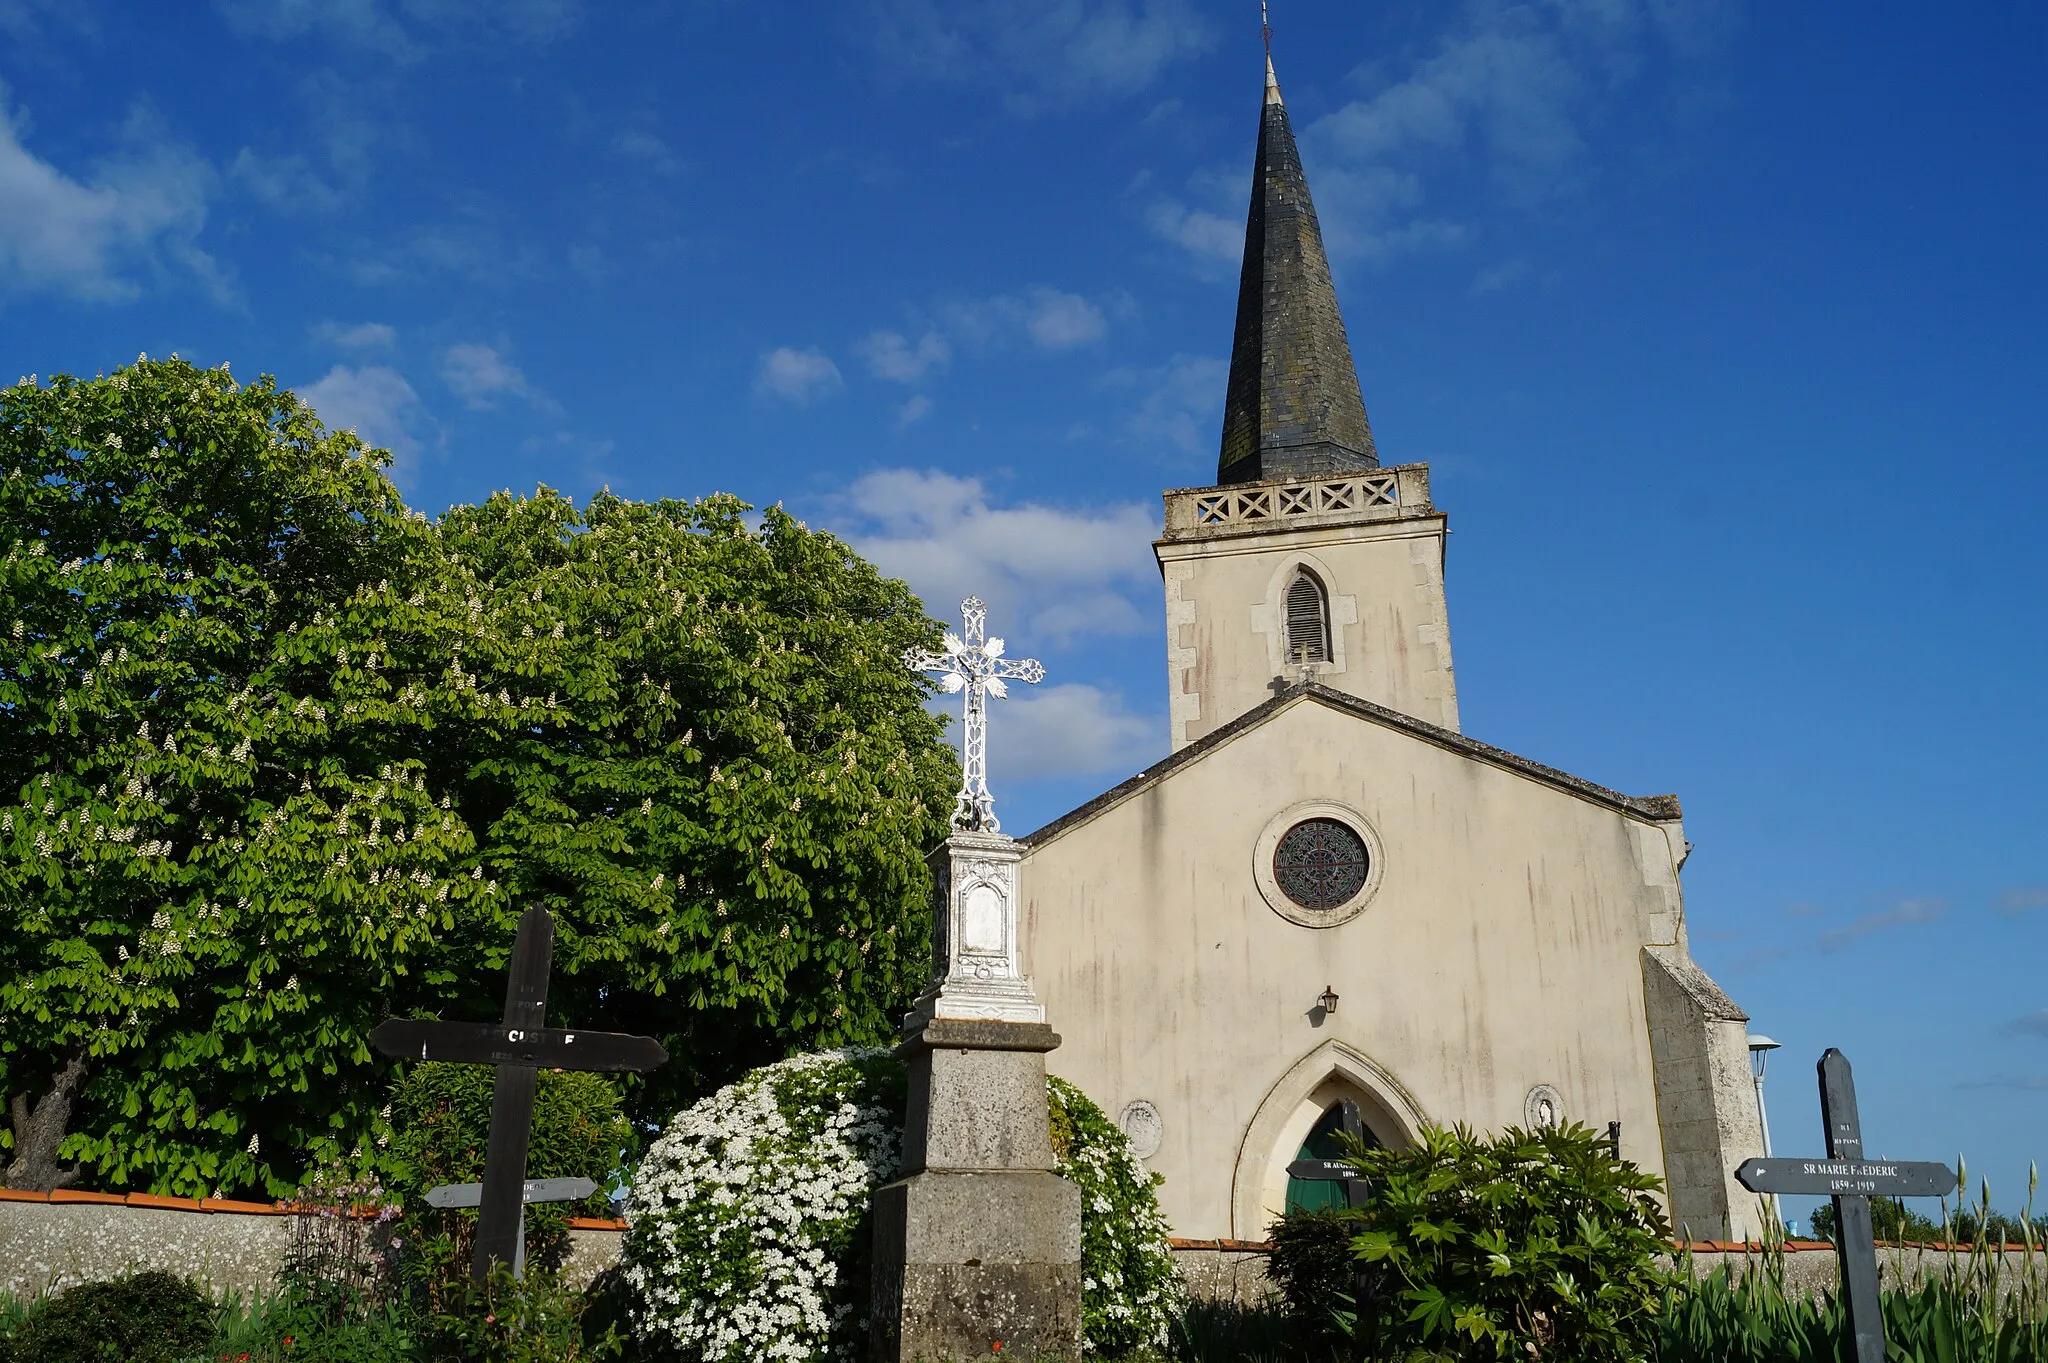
(1851, 1180)
(519, 1047)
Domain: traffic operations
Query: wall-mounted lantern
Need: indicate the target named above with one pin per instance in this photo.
(1327, 1000)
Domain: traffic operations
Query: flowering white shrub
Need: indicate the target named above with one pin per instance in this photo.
(741, 1221)
(741, 1239)
(1130, 1289)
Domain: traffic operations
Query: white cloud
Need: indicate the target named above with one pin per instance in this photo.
(375, 402)
(1057, 320)
(22, 19)
(138, 215)
(480, 375)
(1206, 235)
(1515, 92)
(284, 184)
(890, 355)
(2022, 898)
(1039, 54)
(799, 376)
(1908, 913)
(475, 247)
(913, 411)
(1069, 729)
(1179, 404)
(407, 29)
(635, 144)
(2033, 1024)
(1057, 573)
(359, 336)
(1048, 318)
(346, 126)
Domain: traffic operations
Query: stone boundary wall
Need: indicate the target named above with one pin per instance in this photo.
(1235, 1270)
(53, 1240)
(1224, 1270)
(1810, 1265)
(50, 1241)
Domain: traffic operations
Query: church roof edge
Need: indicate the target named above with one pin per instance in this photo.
(1650, 808)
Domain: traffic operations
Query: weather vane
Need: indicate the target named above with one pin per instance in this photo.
(978, 667)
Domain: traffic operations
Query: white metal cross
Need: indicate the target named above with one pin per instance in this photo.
(978, 667)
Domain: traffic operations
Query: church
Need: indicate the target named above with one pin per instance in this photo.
(1328, 899)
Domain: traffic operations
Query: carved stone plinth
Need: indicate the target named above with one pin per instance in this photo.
(977, 970)
(979, 1243)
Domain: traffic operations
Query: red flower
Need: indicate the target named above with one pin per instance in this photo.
(996, 1347)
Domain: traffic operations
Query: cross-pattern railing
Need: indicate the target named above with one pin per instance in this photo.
(1284, 501)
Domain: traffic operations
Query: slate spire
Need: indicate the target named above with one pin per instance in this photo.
(1293, 408)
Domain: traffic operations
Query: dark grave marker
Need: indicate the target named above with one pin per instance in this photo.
(1851, 1181)
(519, 1048)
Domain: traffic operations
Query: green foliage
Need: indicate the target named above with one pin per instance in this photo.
(150, 1317)
(695, 743)
(1890, 1220)
(529, 1320)
(1535, 1243)
(1130, 1290)
(1893, 1222)
(291, 759)
(1316, 1271)
(185, 907)
(1228, 1332)
(441, 1118)
(1753, 1319)
(295, 1326)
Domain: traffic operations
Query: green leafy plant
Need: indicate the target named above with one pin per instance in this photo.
(295, 1325)
(151, 1317)
(1234, 1332)
(441, 1117)
(1524, 1244)
(1315, 1269)
(533, 1319)
(1130, 1290)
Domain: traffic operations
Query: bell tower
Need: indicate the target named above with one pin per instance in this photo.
(1306, 560)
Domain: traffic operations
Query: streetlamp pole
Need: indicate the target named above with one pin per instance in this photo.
(1760, 1048)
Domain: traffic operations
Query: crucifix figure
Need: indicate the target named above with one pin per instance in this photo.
(978, 667)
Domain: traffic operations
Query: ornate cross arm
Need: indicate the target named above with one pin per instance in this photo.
(976, 666)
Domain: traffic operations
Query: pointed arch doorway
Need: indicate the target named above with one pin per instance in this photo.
(1289, 1119)
(1327, 1140)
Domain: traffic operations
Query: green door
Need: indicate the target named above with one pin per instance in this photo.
(1310, 1195)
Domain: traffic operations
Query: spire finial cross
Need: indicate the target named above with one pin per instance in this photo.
(976, 666)
(1266, 30)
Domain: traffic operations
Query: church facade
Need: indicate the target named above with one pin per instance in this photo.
(1328, 894)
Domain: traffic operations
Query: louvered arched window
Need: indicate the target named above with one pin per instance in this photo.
(1308, 620)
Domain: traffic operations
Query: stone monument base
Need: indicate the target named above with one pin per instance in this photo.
(988, 1259)
(979, 1245)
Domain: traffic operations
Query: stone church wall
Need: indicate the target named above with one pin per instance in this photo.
(1499, 951)
(1705, 1097)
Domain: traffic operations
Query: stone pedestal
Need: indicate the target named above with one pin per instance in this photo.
(979, 1242)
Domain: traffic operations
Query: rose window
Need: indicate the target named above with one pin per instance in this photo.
(1320, 864)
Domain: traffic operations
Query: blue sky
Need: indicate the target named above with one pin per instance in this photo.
(1719, 323)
